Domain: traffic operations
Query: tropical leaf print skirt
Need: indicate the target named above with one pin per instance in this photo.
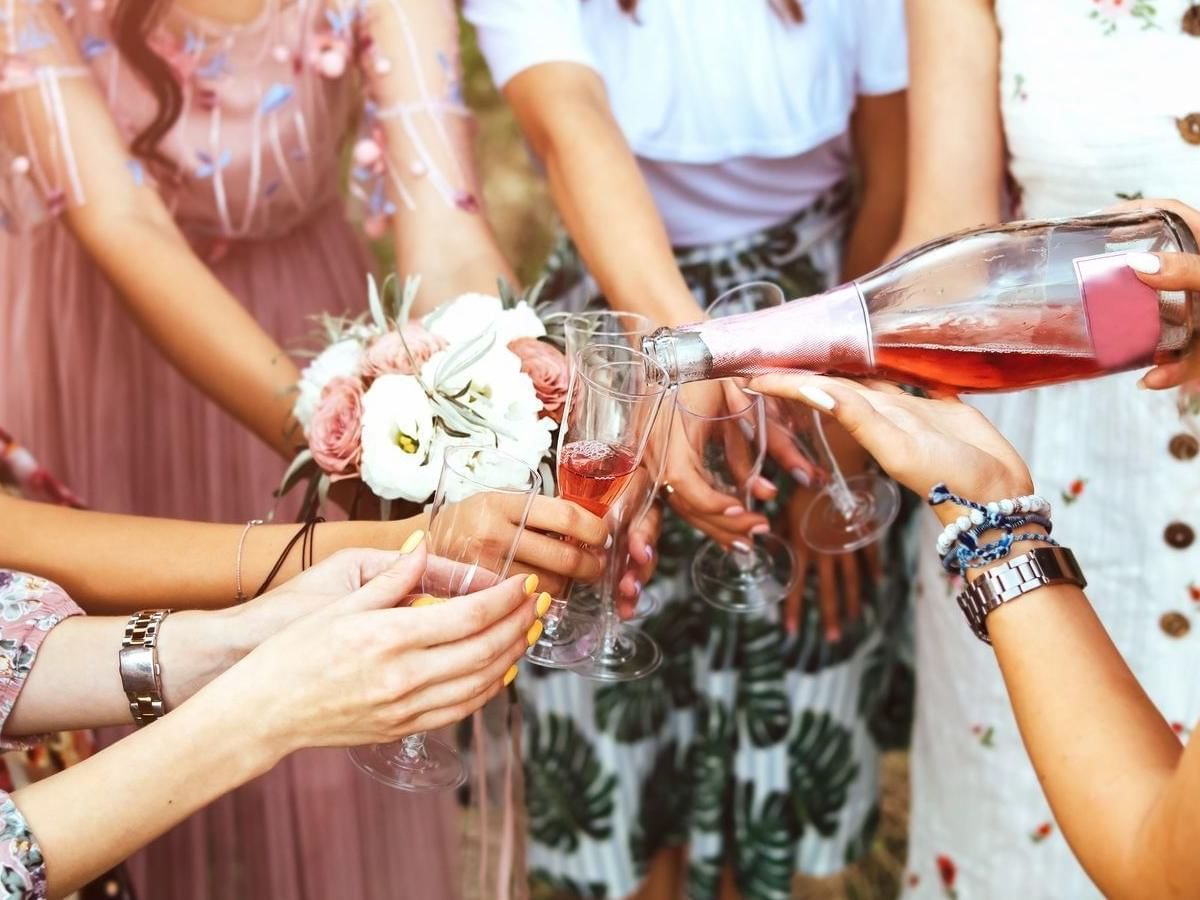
(755, 748)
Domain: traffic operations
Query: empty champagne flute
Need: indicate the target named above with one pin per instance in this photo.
(612, 404)
(850, 512)
(477, 483)
(727, 433)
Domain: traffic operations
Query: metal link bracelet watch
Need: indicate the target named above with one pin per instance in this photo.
(138, 660)
(1014, 578)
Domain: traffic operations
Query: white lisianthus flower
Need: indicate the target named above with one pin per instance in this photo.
(470, 315)
(502, 396)
(401, 457)
(343, 359)
(464, 317)
(519, 322)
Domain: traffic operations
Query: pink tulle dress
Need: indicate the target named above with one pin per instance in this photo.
(269, 110)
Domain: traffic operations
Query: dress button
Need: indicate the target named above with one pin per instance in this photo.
(1191, 20)
(1184, 446)
(1179, 535)
(1174, 624)
(1189, 128)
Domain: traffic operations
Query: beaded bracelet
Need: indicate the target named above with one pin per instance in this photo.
(958, 545)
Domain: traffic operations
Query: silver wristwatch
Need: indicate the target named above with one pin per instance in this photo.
(138, 662)
(1014, 578)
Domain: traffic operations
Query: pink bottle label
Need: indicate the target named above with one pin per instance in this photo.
(1121, 311)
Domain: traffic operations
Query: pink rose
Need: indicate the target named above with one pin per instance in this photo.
(387, 355)
(335, 433)
(547, 368)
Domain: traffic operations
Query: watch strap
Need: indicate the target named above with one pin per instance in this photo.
(138, 662)
(1016, 577)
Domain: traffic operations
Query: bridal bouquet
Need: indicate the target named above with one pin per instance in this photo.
(387, 394)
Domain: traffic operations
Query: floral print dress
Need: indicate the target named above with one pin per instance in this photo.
(29, 608)
(1100, 102)
(752, 746)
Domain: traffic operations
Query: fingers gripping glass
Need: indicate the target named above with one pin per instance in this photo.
(612, 404)
(851, 512)
(477, 484)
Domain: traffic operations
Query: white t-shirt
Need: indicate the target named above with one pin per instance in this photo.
(738, 117)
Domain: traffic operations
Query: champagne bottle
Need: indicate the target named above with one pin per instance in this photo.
(990, 309)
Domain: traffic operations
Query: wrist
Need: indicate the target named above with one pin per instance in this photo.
(194, 647)
(986, 490)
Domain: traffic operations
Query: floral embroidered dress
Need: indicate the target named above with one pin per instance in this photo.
(268, 109)
(29, 608)
(1101, 101)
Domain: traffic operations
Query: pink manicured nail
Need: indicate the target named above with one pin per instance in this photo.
(767, 484)
(833, 634)
(647, 553)
(735, 510)
(740, 546)
(761, 528)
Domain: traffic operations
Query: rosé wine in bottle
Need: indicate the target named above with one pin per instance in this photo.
(991, 309)
(593, 474)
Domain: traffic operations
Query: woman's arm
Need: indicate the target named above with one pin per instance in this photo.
(428, 667)
(55, 121)
(115, 564)
(880, 132)
(956, 137)
(414, 75)
(1122, 789)
(599, 191)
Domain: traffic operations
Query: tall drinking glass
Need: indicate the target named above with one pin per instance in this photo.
(612, 404)
(477, 484)
(727, 432)
(850, 512)
(580, 331)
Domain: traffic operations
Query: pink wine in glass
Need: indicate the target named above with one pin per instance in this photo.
(991, 309)
(593, 474)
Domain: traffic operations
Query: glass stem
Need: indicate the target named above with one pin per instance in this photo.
(617, 554)
(839, 491)
(557, 611)
(412, 748)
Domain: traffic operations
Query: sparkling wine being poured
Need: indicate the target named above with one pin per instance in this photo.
(992, 309)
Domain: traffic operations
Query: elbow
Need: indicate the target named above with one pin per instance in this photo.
(554, 107)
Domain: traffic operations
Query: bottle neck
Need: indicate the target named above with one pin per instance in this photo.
(830, 332)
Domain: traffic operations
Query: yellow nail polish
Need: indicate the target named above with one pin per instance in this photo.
(510, 675)
(543, 603)
(531, 583)
(412, 542)
(427, 601)
(535, 632)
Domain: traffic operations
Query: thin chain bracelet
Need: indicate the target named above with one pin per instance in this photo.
(240, 595)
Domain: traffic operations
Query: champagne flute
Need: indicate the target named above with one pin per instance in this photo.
(475, 482)
(727, 432)
(579, 331)
(624, 651)
(850, 512)
(612, 403)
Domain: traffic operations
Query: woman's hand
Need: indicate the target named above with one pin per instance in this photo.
(642, 560)
(1168, 272)
(561, 540)
(689, 487)
(361, 670)
(918, 442)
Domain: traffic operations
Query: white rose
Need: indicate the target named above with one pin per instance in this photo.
(401, 456)
(464, 317)
(343, 359)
